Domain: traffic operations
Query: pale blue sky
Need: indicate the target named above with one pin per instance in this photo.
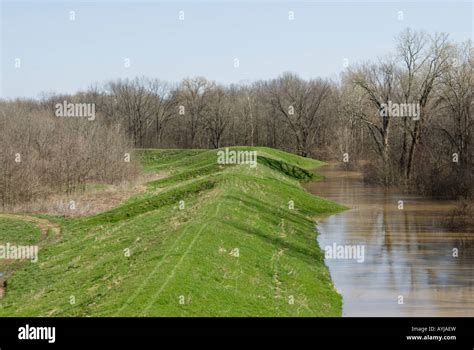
(59, 55)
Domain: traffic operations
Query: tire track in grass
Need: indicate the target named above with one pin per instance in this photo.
(171, 275)
(143, 285)
(173, 271)
(113, 230)
(81, 241)
(151, 274)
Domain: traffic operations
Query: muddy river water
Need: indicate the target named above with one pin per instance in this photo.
(412, 264)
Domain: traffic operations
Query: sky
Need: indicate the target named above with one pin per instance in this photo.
(44, 51)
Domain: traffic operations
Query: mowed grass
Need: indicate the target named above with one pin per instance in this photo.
(207, 240)
(18, 232)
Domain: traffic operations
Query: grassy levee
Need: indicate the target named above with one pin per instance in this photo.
(234, 249)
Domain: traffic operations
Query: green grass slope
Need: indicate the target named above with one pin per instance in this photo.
(207, 240)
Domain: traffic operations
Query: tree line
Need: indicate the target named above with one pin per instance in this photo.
(359, 119)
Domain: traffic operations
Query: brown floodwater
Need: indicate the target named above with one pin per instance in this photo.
(410, 266)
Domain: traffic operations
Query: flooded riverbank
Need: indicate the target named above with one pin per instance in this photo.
(413, 265)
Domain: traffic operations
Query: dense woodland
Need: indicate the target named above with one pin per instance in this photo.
(343, 120)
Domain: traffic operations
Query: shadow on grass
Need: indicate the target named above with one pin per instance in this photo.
(267, 217)
(137, 207)
(287, 169)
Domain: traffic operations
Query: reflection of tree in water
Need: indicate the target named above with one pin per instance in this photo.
(407, 252)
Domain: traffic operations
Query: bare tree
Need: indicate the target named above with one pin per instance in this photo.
(299, 103)
(426, 59)
(454, 104)
(217, 115)
(193, 96)
(164, 106)
(376, 81)
(135, 102)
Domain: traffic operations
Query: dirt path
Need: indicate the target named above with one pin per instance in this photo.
(43, 224)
